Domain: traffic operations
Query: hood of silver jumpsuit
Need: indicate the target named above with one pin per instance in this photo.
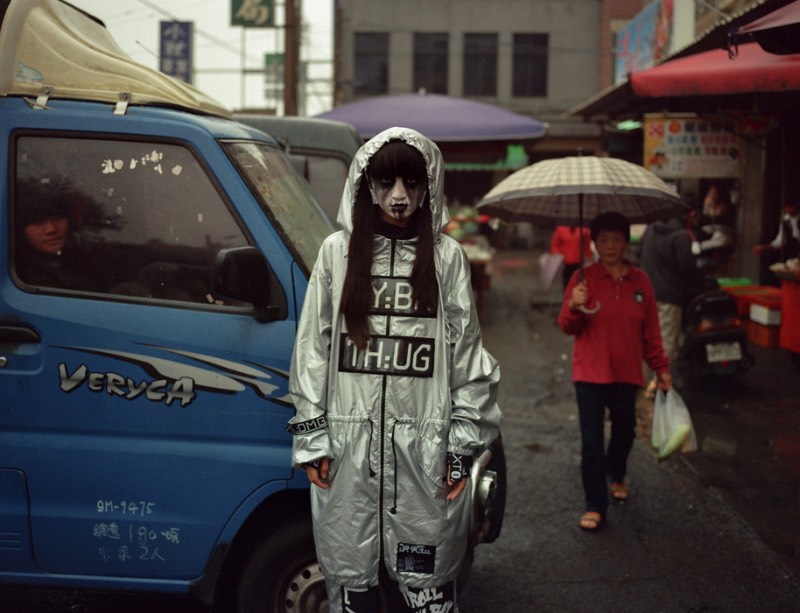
(433, 160)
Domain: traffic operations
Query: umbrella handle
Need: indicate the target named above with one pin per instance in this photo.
(589, 311)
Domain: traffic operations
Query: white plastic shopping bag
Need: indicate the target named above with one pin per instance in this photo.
(550, 265)
(672, 425)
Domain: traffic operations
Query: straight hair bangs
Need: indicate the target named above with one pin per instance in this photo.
(398, 159)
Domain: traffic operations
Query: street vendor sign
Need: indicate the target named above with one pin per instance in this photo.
(175, 47)
(688, 146)
(253, 13)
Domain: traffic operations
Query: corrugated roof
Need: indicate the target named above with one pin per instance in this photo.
(616, 97)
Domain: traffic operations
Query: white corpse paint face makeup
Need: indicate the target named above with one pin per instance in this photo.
(398, 198)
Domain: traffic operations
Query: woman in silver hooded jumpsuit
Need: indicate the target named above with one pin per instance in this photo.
(391, 404)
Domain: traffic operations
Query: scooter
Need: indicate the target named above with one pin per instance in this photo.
(714, 339)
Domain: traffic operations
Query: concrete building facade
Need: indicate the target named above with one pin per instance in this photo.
(537, 58)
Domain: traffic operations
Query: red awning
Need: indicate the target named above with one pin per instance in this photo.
(714, 73)
(784, 16)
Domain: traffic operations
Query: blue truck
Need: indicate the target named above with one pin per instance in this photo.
(154, 256)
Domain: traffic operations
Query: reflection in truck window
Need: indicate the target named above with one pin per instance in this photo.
(327, 176)
(143, 219)
(285, 196)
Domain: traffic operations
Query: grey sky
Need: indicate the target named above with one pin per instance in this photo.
(218, 46)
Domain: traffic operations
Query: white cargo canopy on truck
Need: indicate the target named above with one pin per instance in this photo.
(51, 50)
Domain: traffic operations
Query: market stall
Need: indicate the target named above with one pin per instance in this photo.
(789, 273)
(466, 228)
(771, 315)
(480, 262)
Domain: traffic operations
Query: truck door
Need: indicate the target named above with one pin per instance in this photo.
(138, 408)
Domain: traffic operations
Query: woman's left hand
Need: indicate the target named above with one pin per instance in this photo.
(664, 381)
(459, 467)
(456, 488)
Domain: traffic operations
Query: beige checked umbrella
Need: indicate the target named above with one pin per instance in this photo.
(565, 191)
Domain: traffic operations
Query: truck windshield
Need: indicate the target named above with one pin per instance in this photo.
(284, 195)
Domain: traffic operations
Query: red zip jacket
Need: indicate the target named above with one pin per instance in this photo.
(567, 242)
(611, 344)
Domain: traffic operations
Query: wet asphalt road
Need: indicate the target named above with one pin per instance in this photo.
(716, 530)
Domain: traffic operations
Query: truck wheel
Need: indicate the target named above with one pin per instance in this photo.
(282, 574)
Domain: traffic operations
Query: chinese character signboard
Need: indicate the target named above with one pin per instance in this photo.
(660, 28)
(273, 63)
(253, 13)
(176, 49)
(644, 40)
(273, 75)
(687, 146)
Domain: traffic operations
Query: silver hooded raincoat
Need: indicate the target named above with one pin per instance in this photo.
(387, 416)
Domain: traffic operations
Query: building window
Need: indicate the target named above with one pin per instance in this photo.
(530, 65)
(480, 64)
(371, 63)
(430, 62)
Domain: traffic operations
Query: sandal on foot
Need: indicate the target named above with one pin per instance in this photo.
(619, 491)
(591, 520)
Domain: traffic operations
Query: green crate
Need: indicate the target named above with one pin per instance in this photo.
(733, 281)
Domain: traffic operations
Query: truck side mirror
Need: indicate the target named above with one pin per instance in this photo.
(242, 274)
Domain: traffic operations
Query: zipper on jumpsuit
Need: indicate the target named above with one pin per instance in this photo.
(383, 419)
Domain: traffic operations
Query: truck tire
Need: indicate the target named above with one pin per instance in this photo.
(282, 574)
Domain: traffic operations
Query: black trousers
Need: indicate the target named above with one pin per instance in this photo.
(599, 463)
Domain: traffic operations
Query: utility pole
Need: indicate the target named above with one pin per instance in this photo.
(291, 56)
(338, 18)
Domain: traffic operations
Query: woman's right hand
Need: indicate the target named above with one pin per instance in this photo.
(580, 295)
(318, 473)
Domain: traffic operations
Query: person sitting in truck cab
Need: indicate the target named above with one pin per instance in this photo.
(47, 251)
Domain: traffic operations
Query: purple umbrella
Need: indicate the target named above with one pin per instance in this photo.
(440, 118)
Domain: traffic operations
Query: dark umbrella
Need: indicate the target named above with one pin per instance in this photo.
(440, 118)
(564, 191)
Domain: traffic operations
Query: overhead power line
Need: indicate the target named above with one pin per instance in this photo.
(224, 44)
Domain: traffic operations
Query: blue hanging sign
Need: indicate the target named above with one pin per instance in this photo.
(175, 58)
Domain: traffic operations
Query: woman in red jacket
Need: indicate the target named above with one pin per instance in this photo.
(566, 240)
(612, 314)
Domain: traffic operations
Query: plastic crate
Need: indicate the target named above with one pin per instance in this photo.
(766, 310)
(744, 295)
(759, 334)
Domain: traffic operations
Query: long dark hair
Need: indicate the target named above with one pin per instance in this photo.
(394, 159)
